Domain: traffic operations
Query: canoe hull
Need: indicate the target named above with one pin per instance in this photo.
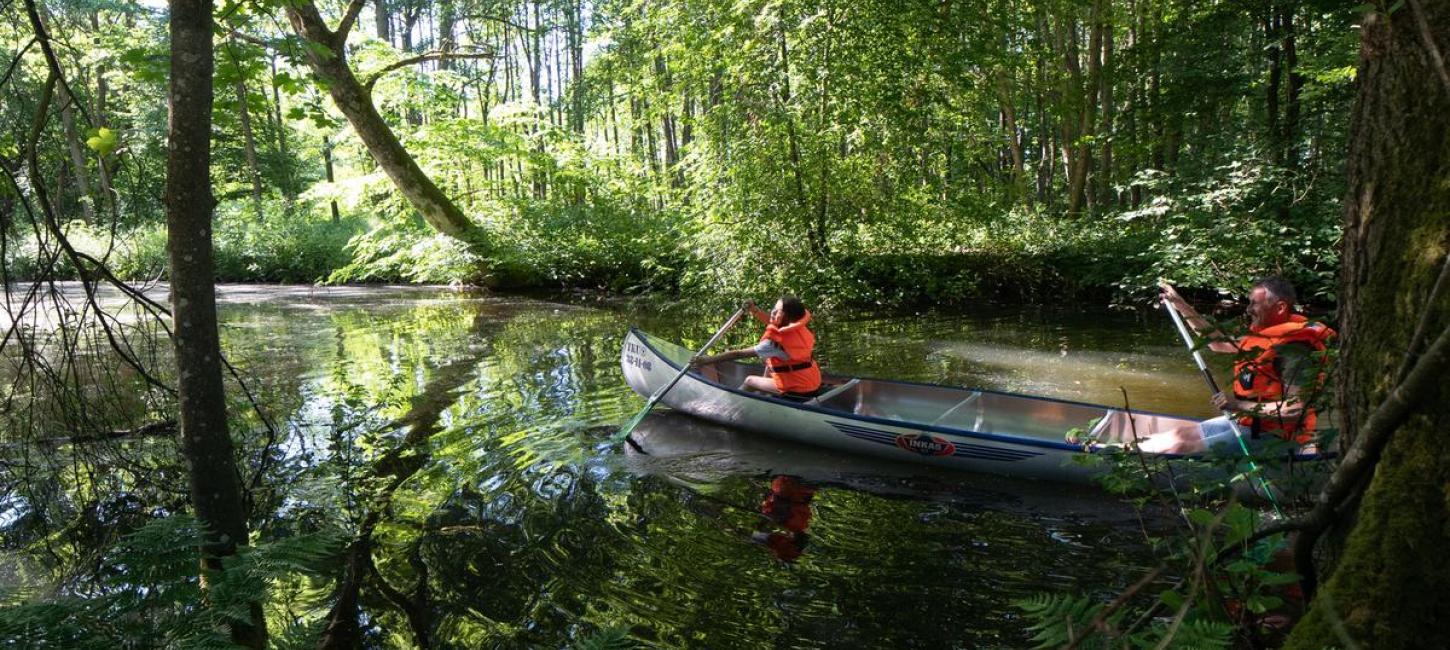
(648, 367)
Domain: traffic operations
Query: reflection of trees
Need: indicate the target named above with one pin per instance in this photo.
(391, 470)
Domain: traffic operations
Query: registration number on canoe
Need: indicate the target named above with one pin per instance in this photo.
(925, 444)
(634, 356)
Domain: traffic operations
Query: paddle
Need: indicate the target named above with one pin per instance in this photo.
(633, 422)
(1213, 386)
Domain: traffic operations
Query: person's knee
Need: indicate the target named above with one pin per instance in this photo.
(759, 384)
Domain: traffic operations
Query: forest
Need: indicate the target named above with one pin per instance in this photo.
(313, 315)
(871, 153)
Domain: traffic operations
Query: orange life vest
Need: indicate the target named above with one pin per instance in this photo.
(1257, 380)
(798, 373)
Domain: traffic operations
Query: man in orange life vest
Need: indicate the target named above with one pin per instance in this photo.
(1279, 364)
(786, 348)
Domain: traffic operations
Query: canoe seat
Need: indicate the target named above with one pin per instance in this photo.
(832, 392)
(970, 399)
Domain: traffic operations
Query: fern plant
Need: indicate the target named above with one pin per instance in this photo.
(148, 588)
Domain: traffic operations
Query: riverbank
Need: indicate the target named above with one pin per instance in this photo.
(1037, 259)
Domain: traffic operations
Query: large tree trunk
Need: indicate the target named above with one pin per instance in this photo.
(330, 65)
(1391, 586)
(216, 492)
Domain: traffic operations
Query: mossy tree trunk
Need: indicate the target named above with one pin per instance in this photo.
(1391, 585)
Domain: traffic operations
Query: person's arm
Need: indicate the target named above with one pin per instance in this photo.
(1217, 340)
(757, 312)
(1290, 408)
(708, 359)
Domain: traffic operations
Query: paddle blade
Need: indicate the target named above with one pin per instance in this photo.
(633, 422)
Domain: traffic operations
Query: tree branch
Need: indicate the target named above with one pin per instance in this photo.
(439, 55)
(501, 20)
(1435, 58)
(348, 18)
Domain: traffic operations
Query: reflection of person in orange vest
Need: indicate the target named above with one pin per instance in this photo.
(1280, 364)
(787, 507)
(786, 348)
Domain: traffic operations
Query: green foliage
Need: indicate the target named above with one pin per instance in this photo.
(103, 141)
(147, 588)
(614, 638)
(1232, 228)
(1059, 619)
(287, 245)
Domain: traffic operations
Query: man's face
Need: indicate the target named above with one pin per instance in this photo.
(1265, 310)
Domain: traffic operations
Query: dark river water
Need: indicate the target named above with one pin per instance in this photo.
(528, 528)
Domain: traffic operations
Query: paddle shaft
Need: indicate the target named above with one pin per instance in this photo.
(1188, 341)
(660, 394)
(1213, 386)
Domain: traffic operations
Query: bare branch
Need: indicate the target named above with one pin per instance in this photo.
(16, 61)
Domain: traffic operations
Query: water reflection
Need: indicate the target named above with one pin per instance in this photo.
(787, 515)
(465, 438)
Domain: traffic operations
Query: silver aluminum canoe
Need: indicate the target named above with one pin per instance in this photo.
(959, 428)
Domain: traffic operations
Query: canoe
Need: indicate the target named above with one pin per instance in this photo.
(967, 429)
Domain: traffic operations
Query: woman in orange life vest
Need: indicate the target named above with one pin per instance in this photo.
(1277, 361)
(786, 348)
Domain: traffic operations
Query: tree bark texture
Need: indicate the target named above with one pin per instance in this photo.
(1391, 586)
(216, 493)
(330, 65)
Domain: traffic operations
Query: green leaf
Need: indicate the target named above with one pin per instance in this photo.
(103, 141)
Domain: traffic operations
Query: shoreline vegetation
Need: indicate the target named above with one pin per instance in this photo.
(1071, 261)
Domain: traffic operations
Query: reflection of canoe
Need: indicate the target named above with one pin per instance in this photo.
(701, 455)
(959, 428)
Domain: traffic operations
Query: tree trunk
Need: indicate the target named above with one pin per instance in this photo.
(1271, 97)
(1104, 175)
(103, 91)
(1014, 143)
(77, 160)
(576, 61)
(327, 168)
(382, 21)
(667, 123)
(249, 145)
(793, 141)
(1391, 587)
(330, 65)
(216, 492)
(279, 126)
(1296, 84)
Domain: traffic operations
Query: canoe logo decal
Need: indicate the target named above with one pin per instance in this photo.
(926, 445)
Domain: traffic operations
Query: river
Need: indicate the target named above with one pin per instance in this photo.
(530, 529)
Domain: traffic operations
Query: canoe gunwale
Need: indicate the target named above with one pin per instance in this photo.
(644, 338)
